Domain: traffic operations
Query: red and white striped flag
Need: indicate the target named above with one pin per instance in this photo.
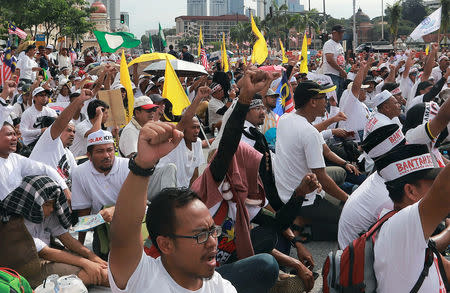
(204, 58)
(14, 30)
(5, 71)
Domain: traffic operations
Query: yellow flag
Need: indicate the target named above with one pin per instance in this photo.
(200, 42)
(260, 50)
(244, 60)
(427, 49)
(224, 55)
(126, 82)
(285, 59)
(304, 56)
(173, 91)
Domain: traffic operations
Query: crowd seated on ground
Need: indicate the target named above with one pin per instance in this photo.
(230, 190)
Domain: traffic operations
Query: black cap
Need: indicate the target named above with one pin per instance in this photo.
(308, 89)
(382, 140)
(338, 28)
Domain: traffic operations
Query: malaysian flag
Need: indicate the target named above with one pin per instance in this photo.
(14, 30)
(8, 65)
(204, 58)
(285, 103)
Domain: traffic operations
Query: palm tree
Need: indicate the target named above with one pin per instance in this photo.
(395, 14)
(444, 17)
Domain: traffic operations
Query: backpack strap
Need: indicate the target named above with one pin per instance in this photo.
(426, 267)
(432, 246)
(375, 227)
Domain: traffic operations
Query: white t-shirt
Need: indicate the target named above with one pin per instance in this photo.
(213, 106)
(79, 145)
(299, 148)
(129, 139)
(17, 110)
(92, 189)
(400, 253)
(41, 232)
(369, 101)
(151, 276)
(356, 111)
(337, 50)
(26, 64)
(436, 73)
(416, 100)
(52, 152)
(64, 99)
(64, 61)
(363, 208)
(406, 85)
(377, 120)
(186, 161)
(15, 167)
(30, 123)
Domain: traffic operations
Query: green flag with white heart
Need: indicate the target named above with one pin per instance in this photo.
(110, 42)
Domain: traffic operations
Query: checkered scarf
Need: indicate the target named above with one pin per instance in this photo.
(27, 200)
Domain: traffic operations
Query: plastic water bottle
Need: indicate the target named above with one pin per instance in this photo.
(216, 132)
(445, 154)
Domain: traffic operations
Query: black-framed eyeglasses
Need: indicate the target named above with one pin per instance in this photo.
(202, 237)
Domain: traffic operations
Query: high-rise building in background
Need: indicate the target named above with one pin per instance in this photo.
(197, 8)
(245, 7)
(218, 7)
(295, 6)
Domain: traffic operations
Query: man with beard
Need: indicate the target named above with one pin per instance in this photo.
(31, 121)
(52, 147)
(96, 183)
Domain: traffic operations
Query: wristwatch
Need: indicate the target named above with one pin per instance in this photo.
(295, 240)
(136, 170)
(345, 163)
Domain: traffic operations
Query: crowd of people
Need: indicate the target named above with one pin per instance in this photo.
(215, 199)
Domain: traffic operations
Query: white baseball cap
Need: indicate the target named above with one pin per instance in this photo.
(40, 90)
(144, 102)
(100, 137)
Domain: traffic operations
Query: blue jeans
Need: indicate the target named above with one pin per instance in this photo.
(339, 83)
(262, 269)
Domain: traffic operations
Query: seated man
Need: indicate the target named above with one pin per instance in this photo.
(300, 149)
(31, 120)
(388, 110)
(52, 147)
(98, 112)
(232, 189)
(76, 259)
(178, 223)
(400, 251)
(188, 155)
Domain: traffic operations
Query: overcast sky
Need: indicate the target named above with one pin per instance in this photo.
(145, 14)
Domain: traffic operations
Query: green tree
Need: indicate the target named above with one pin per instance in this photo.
(395, 15)
(444, 16)
(145, 44)
(414, 10)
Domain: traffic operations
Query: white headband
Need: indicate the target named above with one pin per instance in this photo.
(407, 166)
(387, 144)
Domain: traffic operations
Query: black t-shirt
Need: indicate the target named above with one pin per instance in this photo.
(188, 57)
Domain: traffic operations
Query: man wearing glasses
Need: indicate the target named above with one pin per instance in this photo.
(179, 225)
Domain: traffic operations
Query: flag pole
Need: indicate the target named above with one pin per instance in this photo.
(204, 134)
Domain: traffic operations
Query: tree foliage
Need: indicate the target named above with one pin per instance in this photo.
(413, 10)
(60, 17)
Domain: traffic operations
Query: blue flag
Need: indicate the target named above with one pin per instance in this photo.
(284, 101)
